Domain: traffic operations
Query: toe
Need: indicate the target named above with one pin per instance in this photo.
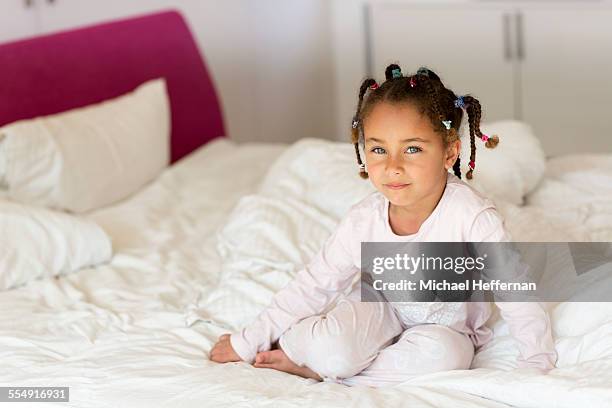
(264, 357)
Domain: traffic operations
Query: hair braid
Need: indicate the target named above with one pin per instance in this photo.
(433, 96)
(457, 167)
(474, 112)
(357, 124)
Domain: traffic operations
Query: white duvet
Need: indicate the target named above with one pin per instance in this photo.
(199, 253)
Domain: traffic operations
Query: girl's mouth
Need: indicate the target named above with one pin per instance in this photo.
(396, 186)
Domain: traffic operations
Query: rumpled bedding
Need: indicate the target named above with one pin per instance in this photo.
(202, 250)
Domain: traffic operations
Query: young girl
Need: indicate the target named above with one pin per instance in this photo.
(408, 127)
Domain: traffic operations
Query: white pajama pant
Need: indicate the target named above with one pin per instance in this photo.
(357, 343)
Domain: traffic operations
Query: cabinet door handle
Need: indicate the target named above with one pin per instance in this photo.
(507, 45)
(520, 37)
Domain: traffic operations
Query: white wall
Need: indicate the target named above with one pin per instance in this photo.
(293, 65)
(271, 60)
(562, 38)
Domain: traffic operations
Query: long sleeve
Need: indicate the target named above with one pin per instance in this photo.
(314, 287)
(528, 322)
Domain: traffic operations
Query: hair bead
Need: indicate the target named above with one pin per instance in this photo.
(492, 142)
(460, 103)
(423, 71)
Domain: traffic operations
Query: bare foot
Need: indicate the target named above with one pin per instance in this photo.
(278, 360)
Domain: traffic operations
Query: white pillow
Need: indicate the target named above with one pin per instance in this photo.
(319, 172)
(538, 224)
(512, 169)
(88, 157)
(36, 242)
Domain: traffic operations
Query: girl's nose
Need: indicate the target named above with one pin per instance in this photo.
(394, 165)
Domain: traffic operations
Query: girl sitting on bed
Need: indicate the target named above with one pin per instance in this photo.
(408, 127)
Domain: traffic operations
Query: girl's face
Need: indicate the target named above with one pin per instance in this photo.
(406, 160)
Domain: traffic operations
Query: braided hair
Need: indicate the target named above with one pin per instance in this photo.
(427, 93)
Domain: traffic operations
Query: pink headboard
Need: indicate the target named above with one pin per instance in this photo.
(53, 73)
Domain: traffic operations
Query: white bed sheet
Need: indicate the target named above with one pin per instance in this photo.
(136, 332)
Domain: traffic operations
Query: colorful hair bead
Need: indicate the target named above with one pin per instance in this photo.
(460, 103)
(423, 71)
(413, 82)
(355, 123)
(374, 86)
(471, 164)
(397, 73)
(447, 124)
(490, 141)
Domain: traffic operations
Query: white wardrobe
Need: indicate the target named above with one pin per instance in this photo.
(548, 63)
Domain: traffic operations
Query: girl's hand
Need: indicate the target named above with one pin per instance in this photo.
(223, 352)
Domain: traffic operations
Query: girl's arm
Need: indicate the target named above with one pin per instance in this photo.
(314, 287)
(530, 325)
(528, 322)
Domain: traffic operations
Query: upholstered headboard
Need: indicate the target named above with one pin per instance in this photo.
(53, 73)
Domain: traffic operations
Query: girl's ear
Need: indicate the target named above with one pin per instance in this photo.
(452, 152)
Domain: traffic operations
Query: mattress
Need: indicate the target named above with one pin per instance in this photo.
(198, 253)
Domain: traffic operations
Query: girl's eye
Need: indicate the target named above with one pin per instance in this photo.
(410, 149)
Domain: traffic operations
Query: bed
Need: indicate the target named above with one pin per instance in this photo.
(199, 252)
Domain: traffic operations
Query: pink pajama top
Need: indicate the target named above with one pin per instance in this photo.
(462, 215)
